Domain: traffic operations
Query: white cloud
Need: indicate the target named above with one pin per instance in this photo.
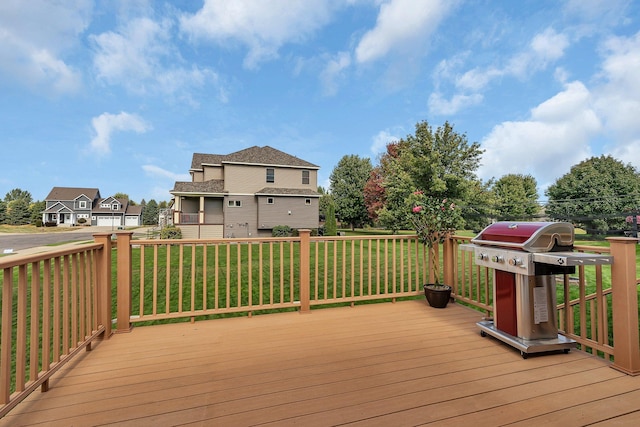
(401, 24)
(456, 103)
(618, 98)
(142, 57)
(105, 124)
(333, 72)
(556, 137)
(157, 171)
(544, 48)
(263, 27)
(34, 38)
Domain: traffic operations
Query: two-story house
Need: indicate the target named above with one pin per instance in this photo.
(246, 194)
(77, 206)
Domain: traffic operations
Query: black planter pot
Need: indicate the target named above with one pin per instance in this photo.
(437, 295)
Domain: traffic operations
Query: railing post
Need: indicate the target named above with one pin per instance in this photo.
(626, 344)
(305, 252)
(103, 273)
(448, 263)
(123, 245)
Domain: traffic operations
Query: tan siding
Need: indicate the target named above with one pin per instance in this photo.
(213, 172)
(197, 176)
(211, 232)
(249, 179)
(244, 179)
(189, 231)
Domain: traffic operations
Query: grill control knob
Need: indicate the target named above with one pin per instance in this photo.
(497, 258)
(482, 256)
(515, 261)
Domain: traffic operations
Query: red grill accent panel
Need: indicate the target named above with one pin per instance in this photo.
(505, 232)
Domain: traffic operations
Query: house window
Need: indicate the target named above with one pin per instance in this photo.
(105, 205)
(82, 204)
(271, 175)
(115, 207)
(307, 202)
(270, 200)
(305, 177)
(234, 203)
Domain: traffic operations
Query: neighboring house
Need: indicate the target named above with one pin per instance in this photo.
(68, 206)
(246, 194)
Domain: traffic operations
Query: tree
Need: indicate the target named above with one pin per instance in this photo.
(440, 164)
(150, 213)
(478, 209)
(516, 197)
(35, 211)
(18, 212)
(3, 212)
(596, 194)
(330, 226)
(122, 196)
(18, 194)
(325, 200)
(347, 180)
(374, 196)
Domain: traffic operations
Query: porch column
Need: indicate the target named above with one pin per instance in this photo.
(123, 246)
(624, 287)
(201, 211)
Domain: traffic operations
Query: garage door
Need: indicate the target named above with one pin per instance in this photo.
(131, 221)
(108, 221)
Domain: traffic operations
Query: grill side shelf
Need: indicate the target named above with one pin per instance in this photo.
(572, 258)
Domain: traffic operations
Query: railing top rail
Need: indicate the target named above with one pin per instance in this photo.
(16, 260)
(368, 237)
(596, 249)
(159, 242)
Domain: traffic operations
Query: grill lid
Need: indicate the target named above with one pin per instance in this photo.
(528, 236)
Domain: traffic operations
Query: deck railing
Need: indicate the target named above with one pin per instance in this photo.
(56, 303)
(192, 278)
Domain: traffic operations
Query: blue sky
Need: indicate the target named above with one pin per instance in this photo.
(118, 95)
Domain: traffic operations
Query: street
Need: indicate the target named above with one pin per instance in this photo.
(20, 241)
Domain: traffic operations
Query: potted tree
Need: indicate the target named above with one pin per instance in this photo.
(434, 219)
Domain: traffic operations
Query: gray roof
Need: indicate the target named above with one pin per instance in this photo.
(270, 191)
(254, 155)
(211, 186)
(210, 159)
(72, 193)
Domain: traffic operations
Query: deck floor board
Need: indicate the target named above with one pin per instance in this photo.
(374, 364)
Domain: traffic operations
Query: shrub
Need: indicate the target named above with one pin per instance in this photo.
(171, 232)
(282, 231)
(38, 223)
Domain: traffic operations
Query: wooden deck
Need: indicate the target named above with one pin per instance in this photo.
(380, 364)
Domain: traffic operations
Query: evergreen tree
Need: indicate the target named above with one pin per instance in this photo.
(348, 180)
(150, 213)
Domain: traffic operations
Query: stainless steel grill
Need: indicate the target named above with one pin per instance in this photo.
(525, 257)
